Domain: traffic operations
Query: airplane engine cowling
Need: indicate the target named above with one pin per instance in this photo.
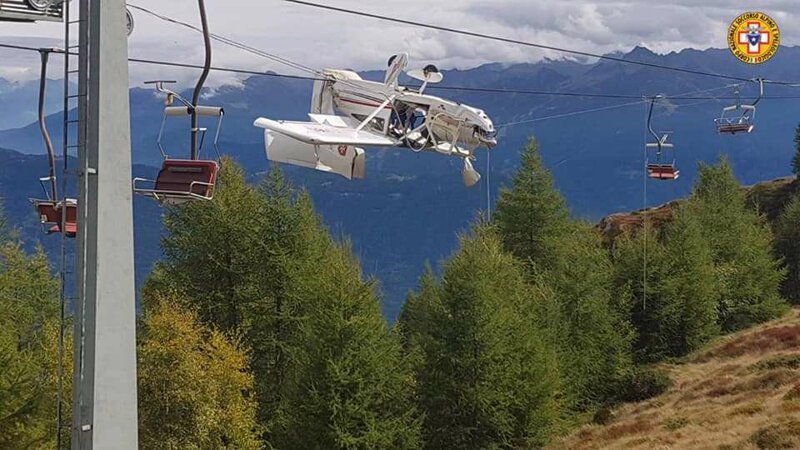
(345, 160)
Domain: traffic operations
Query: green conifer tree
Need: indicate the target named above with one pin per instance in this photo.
(351, 386)
(532, 215)
(796, 158)
(748, 275)
(29, 321)
(675, 306)
(787, 231)
(487, 376)
(594, 336)
(328, 372)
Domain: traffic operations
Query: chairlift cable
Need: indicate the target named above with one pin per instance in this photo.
(227, 41)
(569, 114)
(304, 68)
(488, 185)
(451, 88)
(293, 64)
(681, 96)
(644, 214)
(539, 119)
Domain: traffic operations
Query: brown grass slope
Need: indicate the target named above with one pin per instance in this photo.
(768, 197)
(742, 392)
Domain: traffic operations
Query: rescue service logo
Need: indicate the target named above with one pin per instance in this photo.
(754, 37)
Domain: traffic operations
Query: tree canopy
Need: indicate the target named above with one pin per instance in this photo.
(487, 376)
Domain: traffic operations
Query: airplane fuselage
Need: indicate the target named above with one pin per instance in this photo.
(449, 123)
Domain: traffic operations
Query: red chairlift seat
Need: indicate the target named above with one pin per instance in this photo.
(662, 171)
(51, 213)
(179, 181)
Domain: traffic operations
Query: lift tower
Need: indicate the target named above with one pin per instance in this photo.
(104, 386)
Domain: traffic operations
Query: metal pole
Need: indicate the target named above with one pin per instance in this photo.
(105, 383)
(203, 76)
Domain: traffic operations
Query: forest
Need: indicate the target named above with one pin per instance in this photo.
(258, 328)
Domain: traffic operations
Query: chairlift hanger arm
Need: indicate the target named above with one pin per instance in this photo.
(171, 95)
(48, 142)
(650, 120)
(203, 76)
(760, 82)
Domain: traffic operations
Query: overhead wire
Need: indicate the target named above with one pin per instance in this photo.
(293, 64)
(682, 96)
(534, 120)
(525, 43)
(228, 41)
(242, 71)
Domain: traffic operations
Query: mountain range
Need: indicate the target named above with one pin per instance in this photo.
(411, 206)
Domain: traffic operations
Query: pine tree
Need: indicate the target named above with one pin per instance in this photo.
(787, 245)
(487, 377)
(29, 313)
(328, 372)
(594, 338)
(194, 384)
(796, 159)
(748, 275)
(675, 306)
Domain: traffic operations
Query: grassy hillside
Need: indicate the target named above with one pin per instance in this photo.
(769, 197)
(742, 392)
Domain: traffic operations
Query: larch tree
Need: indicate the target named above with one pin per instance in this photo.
(567, 256)
(29, 323)
(748, 275)
(260, 262)
(487, 373)
(787, 245)
(229, 259)
(350, 385)
(796, 158)
(672, 281)
(532, 214)
(195, 386)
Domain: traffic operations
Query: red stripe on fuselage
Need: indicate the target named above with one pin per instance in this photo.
(362, 103)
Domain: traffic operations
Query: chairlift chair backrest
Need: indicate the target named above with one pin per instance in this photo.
(56, 215)
(662, 171)
(659, 168)
(744, 121)
(180, 180)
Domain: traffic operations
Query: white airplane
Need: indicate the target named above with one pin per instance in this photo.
(348, 113)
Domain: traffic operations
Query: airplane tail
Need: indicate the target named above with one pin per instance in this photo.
(397, 64)
(322, 98)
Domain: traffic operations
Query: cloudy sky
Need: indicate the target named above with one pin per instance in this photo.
(319, 38)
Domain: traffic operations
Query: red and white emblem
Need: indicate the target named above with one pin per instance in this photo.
(754, 37)
(342, 150)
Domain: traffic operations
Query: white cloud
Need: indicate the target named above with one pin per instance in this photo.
(318, 39)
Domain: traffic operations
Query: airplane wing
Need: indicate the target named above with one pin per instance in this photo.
(327, 130)
(345, 160)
